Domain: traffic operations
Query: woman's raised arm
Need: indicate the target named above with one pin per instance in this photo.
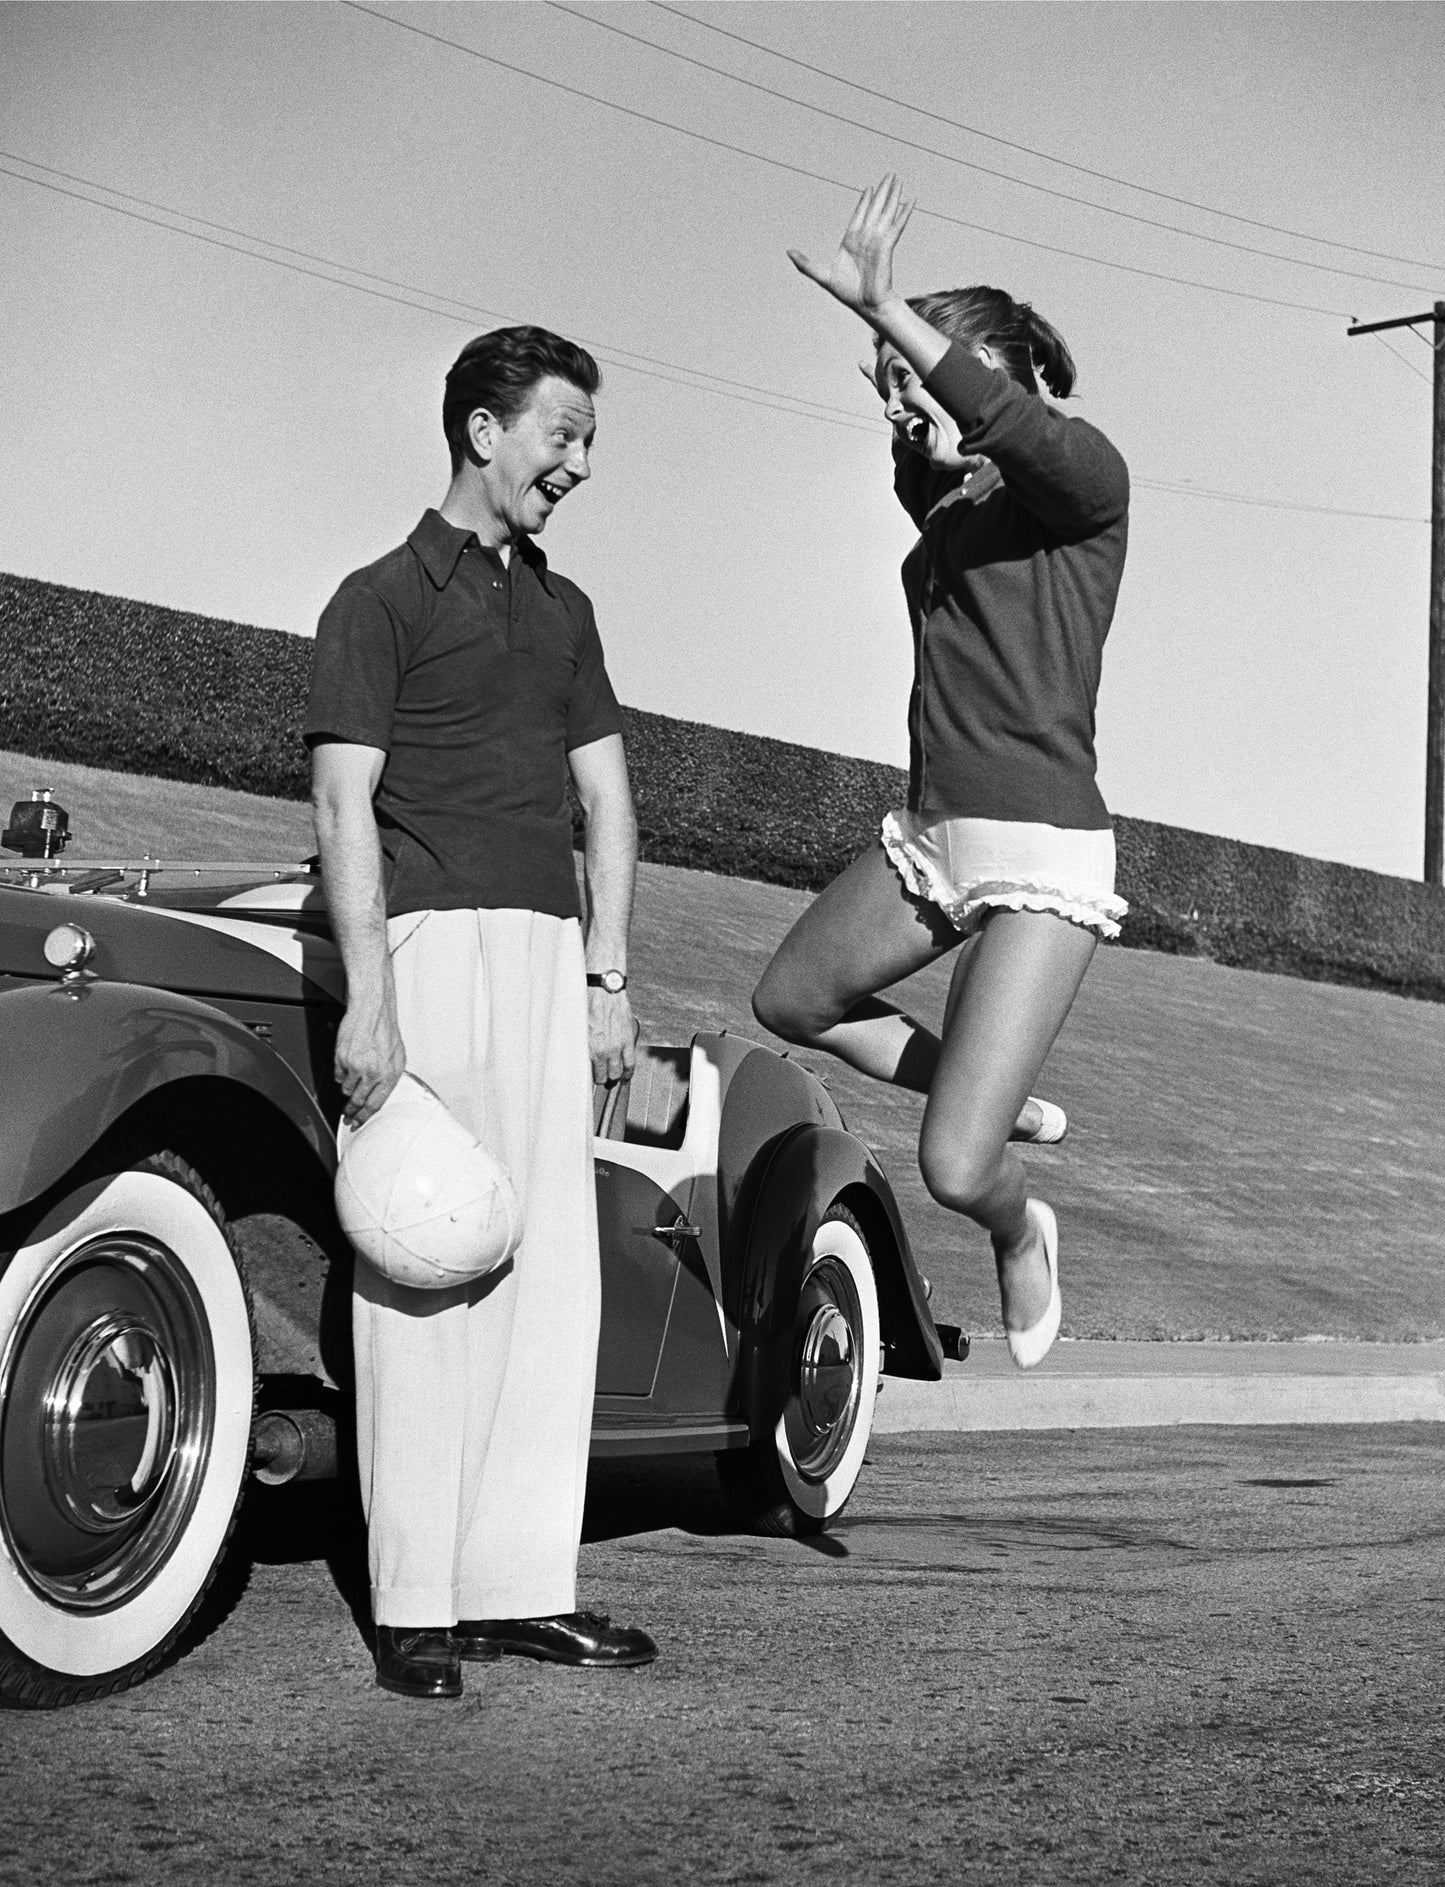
(861, 276)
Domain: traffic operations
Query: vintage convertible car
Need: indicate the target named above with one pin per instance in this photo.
(173, 1286)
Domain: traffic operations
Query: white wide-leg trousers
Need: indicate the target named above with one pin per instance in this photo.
(474, 1406)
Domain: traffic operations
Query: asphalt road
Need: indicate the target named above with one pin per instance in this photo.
(1155, 1657)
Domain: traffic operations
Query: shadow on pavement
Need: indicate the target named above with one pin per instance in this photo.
(668, 1491)
(305, 1520)
(322, 1520)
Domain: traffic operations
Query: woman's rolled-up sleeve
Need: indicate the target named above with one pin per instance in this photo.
(1059, 467)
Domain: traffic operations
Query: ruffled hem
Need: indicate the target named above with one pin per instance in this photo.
(965, 905)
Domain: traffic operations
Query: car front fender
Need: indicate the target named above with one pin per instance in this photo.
(805, 1172)
(79, 1056)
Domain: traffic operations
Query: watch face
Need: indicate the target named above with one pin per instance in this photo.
(613, 981)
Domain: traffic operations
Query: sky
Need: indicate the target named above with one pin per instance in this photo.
(188, 422)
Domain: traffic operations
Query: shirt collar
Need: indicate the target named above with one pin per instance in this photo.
(439, 545)
(533, 555)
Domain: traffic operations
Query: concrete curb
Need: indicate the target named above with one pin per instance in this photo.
(1162, 1385)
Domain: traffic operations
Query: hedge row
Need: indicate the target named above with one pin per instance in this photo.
(105, 682)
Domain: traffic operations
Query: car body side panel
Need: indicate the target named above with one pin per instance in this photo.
(690, 1382)
(695, 1371)
(639, 1279)
(92, 1050)
(302, 1034)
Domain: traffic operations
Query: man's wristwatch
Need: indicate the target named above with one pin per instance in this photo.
(613, 981)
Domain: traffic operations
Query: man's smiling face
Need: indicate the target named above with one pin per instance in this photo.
(539, 457)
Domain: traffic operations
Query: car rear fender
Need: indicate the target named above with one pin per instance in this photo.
(802, 1174)
(77, 1057)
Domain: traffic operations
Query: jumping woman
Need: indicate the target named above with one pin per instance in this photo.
(1005, 843)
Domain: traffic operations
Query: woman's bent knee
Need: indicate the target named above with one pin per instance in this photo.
(780, 1010)
(960, 1180)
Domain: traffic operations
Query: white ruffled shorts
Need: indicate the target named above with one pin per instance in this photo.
(969, 867)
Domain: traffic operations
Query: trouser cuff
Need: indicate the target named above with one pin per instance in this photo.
(518, 1601)
(411, 1608)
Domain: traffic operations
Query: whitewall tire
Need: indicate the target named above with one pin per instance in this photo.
(127, 1387)
(798, 1476)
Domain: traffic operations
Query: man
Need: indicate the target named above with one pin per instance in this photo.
(455, 683)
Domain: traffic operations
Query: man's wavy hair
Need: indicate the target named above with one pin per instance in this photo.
(499, 371)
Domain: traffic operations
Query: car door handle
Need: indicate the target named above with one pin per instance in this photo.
(673, 1234)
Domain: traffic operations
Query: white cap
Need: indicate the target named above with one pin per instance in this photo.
(420, 1198)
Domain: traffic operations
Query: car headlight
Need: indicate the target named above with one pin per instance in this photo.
(68, 948)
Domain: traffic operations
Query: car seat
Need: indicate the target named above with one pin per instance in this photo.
(650, 1109)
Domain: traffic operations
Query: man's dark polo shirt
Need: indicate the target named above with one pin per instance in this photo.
(476, 679)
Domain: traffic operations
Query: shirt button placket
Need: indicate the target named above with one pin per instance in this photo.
(930, 591)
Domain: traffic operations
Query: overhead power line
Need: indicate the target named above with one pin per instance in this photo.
(836, 183)
(403, 294)
(1408, 365)
(1180, 489)
(406, 295)
(967, 163)
(1029, 150)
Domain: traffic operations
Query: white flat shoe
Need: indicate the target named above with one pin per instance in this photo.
(1031, 1346)
(1053, 1124)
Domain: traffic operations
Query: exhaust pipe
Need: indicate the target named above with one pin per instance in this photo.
(293, 1445)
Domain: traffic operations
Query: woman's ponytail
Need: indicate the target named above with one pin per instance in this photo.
(1049, 351)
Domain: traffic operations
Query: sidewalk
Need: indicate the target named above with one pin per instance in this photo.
(1161, 1385)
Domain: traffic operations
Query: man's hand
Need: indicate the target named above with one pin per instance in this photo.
(611, 1036)
(370, 1059)
(861, 275)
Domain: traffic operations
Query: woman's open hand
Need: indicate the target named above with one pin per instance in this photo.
(861, 275)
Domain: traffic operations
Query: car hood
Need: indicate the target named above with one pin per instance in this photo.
(208, 953)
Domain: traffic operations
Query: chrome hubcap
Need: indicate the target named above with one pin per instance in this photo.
(108, 1424)
(108, 1400)
(827, 1374)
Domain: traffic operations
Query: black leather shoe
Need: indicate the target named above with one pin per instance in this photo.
(587, 1638)
(418, 1661)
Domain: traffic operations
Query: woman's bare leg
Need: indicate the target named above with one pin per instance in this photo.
(862, 933)
(1012, 991)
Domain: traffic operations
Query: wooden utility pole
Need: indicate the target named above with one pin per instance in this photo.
(1435, 686)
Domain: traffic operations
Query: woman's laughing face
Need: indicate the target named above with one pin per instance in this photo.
(916, 418)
